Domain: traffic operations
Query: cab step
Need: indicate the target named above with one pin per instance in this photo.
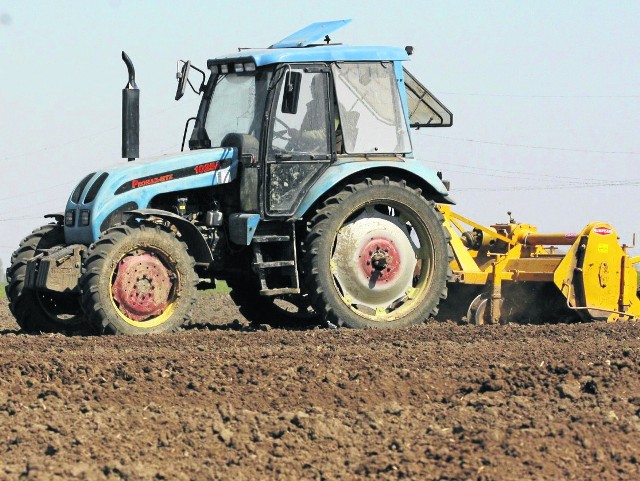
(275, 259)
(271, 238)
(273, 264)
(279, 292)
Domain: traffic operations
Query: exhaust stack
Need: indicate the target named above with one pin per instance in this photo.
(130, 114)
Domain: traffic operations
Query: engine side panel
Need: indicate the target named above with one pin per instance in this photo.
(133, 186)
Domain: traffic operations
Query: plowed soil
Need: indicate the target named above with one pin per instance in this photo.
(233, 401)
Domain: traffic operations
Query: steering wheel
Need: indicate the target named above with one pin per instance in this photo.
(281, 134)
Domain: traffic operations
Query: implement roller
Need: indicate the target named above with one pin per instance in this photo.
(524, 275)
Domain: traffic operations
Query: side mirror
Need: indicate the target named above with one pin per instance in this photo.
(291, 95)
(182, 76)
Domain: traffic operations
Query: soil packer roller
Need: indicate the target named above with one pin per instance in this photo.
(301, 190)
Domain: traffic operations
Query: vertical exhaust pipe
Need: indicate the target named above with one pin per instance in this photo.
(130, 114)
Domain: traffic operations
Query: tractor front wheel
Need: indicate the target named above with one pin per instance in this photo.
(40, 311)
(377, 256)
(139, 279)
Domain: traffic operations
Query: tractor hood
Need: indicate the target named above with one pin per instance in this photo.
(101, 198)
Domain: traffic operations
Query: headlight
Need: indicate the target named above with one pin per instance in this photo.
(85, 216)
(249, 67)
(224, 69)
(70, 218)
(238, 67)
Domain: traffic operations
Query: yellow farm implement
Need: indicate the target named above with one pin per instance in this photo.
(524, 275)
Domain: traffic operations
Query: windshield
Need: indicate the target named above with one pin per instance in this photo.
(237, 105)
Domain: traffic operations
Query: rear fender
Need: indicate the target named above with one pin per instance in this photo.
(412, 171)
(196, 243)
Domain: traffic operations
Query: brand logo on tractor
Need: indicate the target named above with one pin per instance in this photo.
(207, 167)
(154, 180)
(603, 230)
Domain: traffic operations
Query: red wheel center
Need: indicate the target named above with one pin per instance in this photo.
(379, 260)
(142, 286)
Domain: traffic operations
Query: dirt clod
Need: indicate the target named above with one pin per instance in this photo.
(569, 390)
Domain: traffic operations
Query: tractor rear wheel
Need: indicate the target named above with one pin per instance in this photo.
(377, 256)
(139, 279)
(40, 311)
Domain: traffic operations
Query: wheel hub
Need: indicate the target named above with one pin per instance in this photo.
(373, 260)
(142, 286)
(379, 259)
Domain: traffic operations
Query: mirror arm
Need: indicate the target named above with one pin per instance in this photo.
(204, 78)
(287, 70)
(184, 136)
(192, 88)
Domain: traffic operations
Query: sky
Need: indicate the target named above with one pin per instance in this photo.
(545, 95)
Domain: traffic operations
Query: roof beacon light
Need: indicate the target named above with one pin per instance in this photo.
(238, 67)
(249, 67)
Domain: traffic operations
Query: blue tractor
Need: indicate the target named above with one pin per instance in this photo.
(299, 187)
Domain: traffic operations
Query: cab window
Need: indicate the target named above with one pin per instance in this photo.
(307, 129)
(370, 109)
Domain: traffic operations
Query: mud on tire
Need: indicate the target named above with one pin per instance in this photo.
(37, 311)
(139, 279)
(377, 256)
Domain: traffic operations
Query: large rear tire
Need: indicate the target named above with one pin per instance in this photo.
(139, 279)
(40, 311)
(377, 256)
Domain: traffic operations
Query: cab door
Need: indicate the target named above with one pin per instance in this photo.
(300, 137)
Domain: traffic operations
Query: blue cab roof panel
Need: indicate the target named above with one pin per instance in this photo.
(325, 53)
(299, 48)
(311, 34)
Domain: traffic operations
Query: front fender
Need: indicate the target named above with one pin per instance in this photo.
(410, 170)
(196, 243)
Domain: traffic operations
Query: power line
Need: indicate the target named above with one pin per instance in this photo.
(540, 147)
(79, 139)
(15, 219)
(473, 94)
(548, 187)
(594, 182)
(57, 146)
(527, 175)
(22, 194)
(570, 182)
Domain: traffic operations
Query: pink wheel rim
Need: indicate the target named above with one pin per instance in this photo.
(379, 260)
(142, 286)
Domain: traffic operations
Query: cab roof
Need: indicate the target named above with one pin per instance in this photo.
(302, 47)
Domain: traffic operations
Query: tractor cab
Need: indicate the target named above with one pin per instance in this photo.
(296, 108)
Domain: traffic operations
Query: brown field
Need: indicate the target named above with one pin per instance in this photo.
(229, 401)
